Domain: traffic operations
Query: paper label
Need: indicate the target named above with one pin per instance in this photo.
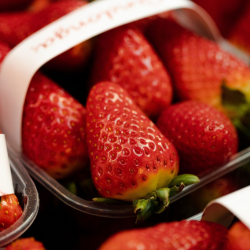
(26, 58)
(6, 184)
(223, 210)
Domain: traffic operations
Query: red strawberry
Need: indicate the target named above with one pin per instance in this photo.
(25, 244)
(53, 127)
(130, 159)
(10, 5)
(125, 57)
(129, 156)
(204, 137)
(201, 71)
(224, 12)
(239, 236)
(10, 211)
(188, 235)
(15, 27)
(240, 33)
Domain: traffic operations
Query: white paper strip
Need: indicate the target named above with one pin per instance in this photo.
(94, 18)
(222, 210)
(6, 184)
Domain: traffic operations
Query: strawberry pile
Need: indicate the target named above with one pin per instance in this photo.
(161, 100)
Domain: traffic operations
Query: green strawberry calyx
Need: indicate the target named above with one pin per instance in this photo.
(158, 200)
(237, 107)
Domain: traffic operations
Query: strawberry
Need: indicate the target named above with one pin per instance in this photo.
(10, 211)
(239, 236)
(11, 5)
(240, 34)
(130, 158)
(26, 244)
(15, 27)
(188, 235)
(203, 136)
(224, 13)
(124, 56)
(53, 126)
(203, 72)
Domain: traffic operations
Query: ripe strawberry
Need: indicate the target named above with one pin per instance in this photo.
(188, 235)
(129, 156)
(53, 127)
(225, 12)
(240, 33)
(239, 236)
(11, 5)
(203, 136)
(10, 211)
(125, 57)
(25, 244)
(15, 27)
(201, 71)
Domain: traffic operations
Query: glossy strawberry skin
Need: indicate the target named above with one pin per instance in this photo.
(198, 66)
(53, 128)
(239, 236)
(129, 156)
(124, 56)
(10, 211)
(204, 137)
(15, 27)
(25, 244)
(188, 235)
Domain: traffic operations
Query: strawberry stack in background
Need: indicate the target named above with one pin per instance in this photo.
(157, 104)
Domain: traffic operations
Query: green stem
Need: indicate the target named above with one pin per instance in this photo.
(163, 195)
(186, 179)
(144, 208)
(176, 190)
